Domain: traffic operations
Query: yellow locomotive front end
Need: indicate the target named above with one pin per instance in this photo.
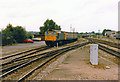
(50, 36)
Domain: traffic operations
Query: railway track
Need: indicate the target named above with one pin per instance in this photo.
(40, 60)
(116, 45)
(45, 57)
(23, 58)
(19, 53)
(106, 49)
(15, 57)
(110, 51)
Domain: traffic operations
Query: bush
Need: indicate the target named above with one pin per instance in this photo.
(29, 35)
(12, 35)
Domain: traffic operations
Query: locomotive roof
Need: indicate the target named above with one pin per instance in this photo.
(58, 31)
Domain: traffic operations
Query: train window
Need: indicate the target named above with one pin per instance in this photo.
(49, 33)
(53, 33)
(46, 33)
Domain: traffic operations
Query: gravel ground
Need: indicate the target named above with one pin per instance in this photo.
(77, 67)
(11, 49)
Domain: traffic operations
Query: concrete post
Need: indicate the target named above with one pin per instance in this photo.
(94, 54)
(57, 44)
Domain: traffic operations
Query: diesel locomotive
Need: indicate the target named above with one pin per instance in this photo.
(54, 38)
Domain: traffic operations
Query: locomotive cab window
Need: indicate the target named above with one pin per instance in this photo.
(53, 33)
(49, 33)
(46, 33)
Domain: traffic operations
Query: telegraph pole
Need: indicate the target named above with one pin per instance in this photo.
(73, 30)
(70, 27)
(98, 31)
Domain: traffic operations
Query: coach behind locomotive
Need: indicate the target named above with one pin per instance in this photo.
(60, 37)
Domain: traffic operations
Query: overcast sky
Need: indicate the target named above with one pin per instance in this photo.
(83, 15)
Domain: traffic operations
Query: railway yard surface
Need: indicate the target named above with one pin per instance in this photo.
(11, 49)
(72, 65)
(77, 67)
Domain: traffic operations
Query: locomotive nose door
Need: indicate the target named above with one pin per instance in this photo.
(50, 36)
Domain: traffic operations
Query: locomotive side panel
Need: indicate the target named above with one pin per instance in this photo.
(70, 36)
(61, 36)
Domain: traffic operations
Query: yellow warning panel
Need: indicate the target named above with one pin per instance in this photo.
(65, 35)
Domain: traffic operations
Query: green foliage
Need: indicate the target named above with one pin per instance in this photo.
(49, 25)
(94, 36)
(29, 35)
(81, 33)
(19, 34)
(93, 32)
(103, 33)
(7, 35)
(57, 27)
(97, 33)
(85, 33)
(12, 35)
(118, 32)
(42, 30)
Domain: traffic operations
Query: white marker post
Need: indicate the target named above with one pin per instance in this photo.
(94, 54)
(57, 44)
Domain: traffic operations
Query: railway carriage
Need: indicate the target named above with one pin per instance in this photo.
(60, 37)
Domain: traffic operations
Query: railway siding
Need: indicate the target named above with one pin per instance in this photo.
(113, 48)
(45, 58)
(24, 64)
(112, 44)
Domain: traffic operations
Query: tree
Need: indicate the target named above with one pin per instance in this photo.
(29, 35)
(12, 35)
(42, 30)
(7, 35)
(103, 33)
(97, 33)
(81, 33)
(93, 32)
(19, 34)
(57, 27)
(49, 25)
(118, 32)
(85, 33)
